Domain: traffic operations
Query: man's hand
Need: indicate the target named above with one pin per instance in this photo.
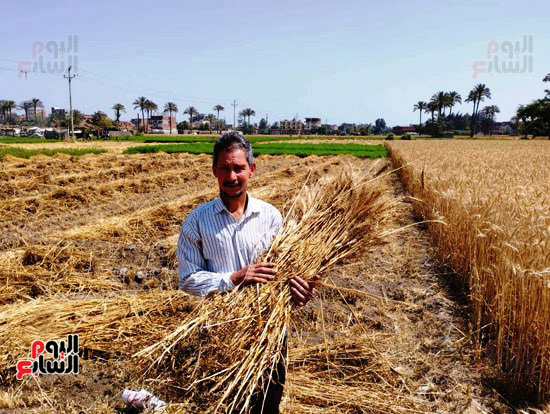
(301, 291)
(255, 273)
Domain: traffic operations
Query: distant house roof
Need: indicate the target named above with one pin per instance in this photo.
(402, 129)
(126, 124)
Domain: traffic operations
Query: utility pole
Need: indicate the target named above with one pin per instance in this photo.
(69, 78)
(234, 105)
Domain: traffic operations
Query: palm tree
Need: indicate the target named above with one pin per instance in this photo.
(218, 108)
(431, 107)
(420, 106)
(454, 98)
(191, 111)
(141, 103)
(26, 105)
(489, 112)
(440, 100)
(8, 106)
(36, 103)
(477, 95)
(3, 110)
(210, 118)
(248, 112)
(150, 107)
(77, 117)
(170, 107)
(243, 116)
(118, 108)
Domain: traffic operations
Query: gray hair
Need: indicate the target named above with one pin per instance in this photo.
(232, 140)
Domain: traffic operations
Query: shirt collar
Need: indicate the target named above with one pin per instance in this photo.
(252, 207)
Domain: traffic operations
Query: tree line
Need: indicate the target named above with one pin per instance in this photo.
(534, 118)
(441, 101)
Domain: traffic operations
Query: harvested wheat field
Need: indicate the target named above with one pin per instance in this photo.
(88, 248)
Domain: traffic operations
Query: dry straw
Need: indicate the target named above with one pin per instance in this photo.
(225, 352)
(48, 270)
(221, 352)
(350, 375)
(119, 325)
(164, 219)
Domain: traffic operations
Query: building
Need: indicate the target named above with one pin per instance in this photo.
(40, 113)
(401, 130)
(312, 123)
(291, 127)
(346, 128)
(86, 119)
(160, 124)
(59, 113)
(157, 124)
(198, 121)
(504, 128)
(129, 125)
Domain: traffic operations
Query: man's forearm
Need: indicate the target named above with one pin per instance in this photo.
(202, 283)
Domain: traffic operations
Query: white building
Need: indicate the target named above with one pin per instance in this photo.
(312, 123)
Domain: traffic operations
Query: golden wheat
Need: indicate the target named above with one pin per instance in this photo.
(493, 197)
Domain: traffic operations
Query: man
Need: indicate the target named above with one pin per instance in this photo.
(220, 241)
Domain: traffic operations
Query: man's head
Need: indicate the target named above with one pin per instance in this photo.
(233, 164)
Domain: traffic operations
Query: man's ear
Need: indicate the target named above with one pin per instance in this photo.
(214, 170)
(252, 169)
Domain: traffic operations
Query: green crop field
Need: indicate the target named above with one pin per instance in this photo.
(301, 150)
(251, 138)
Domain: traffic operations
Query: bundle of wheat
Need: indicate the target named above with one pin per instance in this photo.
(230, 346)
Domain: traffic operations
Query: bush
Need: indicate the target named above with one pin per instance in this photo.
(389, 137)
(406, 137)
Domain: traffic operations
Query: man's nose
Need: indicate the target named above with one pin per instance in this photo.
(233, 176)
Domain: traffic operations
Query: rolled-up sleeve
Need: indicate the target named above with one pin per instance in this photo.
(193, 276)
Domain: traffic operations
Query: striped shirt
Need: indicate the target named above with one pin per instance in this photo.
(213, 244)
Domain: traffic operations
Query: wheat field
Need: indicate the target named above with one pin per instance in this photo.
(489, 202)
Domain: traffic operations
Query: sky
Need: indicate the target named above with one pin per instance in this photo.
(345, 61)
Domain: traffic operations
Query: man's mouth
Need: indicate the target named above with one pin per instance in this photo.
(231, 184)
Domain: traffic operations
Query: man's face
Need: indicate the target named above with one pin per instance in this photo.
(233, 172)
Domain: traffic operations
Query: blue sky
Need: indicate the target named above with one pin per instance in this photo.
(351, 61)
